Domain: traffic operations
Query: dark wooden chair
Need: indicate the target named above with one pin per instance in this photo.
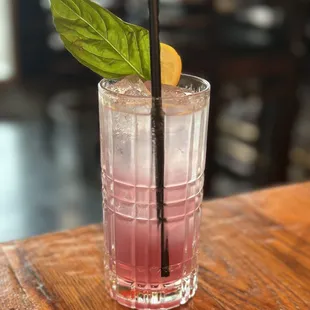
(274, 67)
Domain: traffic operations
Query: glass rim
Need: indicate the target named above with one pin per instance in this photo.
(202, 81)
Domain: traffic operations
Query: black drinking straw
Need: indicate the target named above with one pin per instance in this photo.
(158, 131)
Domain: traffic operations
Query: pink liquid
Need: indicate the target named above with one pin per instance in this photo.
(132, 233)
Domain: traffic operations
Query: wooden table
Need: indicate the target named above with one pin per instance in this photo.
(255, 254)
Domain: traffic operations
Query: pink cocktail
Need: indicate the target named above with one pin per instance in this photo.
(133, 260)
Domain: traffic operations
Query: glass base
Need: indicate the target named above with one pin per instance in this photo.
(162, 296)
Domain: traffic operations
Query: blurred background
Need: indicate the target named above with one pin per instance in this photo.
(254, 52)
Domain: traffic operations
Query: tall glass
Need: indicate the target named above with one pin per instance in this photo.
(132, 233)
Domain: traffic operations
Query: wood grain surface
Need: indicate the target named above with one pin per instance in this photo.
(255, 254)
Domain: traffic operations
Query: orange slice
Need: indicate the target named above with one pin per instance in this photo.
(171, 65)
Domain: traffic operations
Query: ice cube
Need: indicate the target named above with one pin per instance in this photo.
(169, 91)
(131, 85)
(176, 100)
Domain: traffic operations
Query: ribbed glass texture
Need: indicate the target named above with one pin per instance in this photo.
(132, 234)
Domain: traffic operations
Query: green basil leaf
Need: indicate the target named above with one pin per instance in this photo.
(100, 40)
